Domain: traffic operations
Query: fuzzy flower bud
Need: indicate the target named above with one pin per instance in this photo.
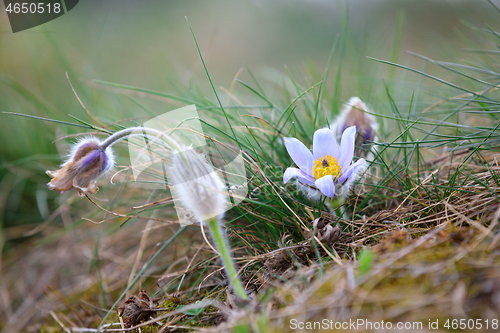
(366, 125)
(199, 188)
(86, 162)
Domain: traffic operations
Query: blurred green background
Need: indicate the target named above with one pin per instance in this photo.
(148, 44)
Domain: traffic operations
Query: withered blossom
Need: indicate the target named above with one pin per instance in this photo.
(324, 230)
(138, 309)
(87, 161)
(91, 158)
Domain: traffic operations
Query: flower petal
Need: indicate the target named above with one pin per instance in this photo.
(300, 155)
(62, 179)
(90, 158)
(324, 143)
(291, 173)
(353, 170)
(326, 185)
(347, 147)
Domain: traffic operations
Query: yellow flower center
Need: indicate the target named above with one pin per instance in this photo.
(324, 166)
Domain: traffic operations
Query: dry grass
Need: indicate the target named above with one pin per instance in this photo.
(432, 260)
(423, 243)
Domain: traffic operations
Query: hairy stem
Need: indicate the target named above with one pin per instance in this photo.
(140, 131)
(334, 204)
(221, 242)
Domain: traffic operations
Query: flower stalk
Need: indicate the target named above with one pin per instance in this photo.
(219, 235)
(334, 204)
(140, 131)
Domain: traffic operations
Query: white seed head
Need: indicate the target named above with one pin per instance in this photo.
(198, 187)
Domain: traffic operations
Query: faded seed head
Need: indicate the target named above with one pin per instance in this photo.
(85, 164)
(199, 188)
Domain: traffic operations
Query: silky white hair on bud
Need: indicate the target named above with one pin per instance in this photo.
(352, 114)
(86, 162)
(90, 140)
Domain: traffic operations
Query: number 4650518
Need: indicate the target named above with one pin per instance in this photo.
(24, 8)
(471, 324)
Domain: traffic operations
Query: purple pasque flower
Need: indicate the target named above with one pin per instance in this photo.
(328, 169)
